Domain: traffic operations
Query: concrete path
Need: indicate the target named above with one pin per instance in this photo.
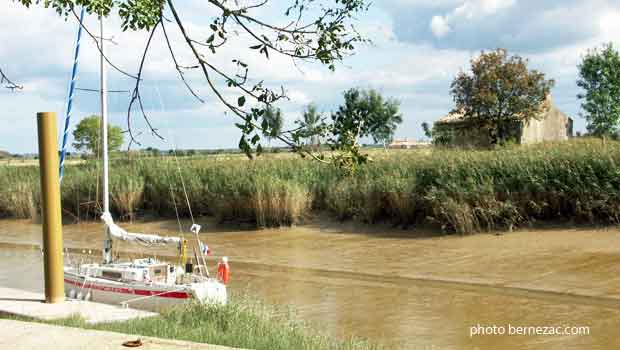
(30, 304)
(17, 335)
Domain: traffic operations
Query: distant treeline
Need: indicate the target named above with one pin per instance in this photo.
(149, 151)
(455, 190)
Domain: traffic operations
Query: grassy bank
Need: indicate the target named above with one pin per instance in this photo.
(242, 323)
(456, 190)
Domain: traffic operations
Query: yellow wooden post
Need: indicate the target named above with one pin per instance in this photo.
(50, 193)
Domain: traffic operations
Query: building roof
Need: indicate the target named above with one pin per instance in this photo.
(406, 142)
(456, 117)
(452, 117)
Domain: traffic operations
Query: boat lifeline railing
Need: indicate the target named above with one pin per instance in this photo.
(125, 303)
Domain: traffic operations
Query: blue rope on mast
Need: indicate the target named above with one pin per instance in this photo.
(74, 78)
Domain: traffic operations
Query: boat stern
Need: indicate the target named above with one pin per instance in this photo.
(211, 291)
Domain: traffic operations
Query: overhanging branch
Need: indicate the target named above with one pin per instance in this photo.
(9, 84)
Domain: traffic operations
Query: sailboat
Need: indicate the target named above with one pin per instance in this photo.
(145, 283)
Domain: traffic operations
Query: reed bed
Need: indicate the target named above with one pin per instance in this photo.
(461, 191)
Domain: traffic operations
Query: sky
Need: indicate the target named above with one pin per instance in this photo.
(418, 46)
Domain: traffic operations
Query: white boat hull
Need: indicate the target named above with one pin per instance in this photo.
(144, 296)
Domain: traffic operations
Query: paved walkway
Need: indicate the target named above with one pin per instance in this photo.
(17, 335)
(30, 304)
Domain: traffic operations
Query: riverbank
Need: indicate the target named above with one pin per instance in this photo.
(451, 190)
(242, 323)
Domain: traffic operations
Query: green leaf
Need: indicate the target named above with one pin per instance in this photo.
(241, 101)
(265, 51)
(243, 144)
(245, 147)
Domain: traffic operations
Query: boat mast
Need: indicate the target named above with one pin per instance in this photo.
(104, 122)
(107, 244)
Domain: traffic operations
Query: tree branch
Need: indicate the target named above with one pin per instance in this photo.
(177, 66)
(95, 39)
(135, 96)
(205, 66)
(9, 83)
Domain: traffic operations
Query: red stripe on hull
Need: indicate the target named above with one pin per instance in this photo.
(142, 292)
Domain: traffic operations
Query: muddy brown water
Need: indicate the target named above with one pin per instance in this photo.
(406, 293)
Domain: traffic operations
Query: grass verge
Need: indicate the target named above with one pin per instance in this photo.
(243, 323)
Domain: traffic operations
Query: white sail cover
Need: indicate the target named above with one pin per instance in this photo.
(116, 232)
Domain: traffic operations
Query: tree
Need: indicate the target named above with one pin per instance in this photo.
(427, 130)
(500, 91)
(367, 113)
(599, 76)
(309, 30)
(385, 117)
(310, 125)
(272, 122)
(152, 151)
(87, 135)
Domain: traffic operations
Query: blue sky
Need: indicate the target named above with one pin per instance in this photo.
(419, 46)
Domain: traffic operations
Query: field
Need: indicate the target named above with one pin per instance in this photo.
(461, 191)
(32, 162)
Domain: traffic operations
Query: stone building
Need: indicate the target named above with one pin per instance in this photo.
(407, 144)
(553, 125)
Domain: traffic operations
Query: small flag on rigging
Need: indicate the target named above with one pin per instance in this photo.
(204, 249)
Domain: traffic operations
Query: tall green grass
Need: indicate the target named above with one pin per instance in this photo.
(242, 323)
(457, 190)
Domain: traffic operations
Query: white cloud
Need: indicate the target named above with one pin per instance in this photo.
(609, 25)
(439, 26)
(468, 10)
(299, 97)
(479, 8)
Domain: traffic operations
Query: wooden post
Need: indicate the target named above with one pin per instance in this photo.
(50, 195)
